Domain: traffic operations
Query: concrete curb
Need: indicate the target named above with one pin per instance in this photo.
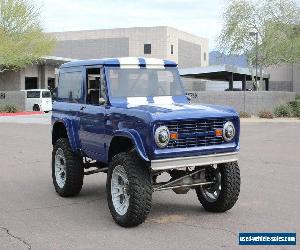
(22, 113)
(274, 120)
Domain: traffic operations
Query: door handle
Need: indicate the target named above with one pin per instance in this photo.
(107, 117)
(82, 108)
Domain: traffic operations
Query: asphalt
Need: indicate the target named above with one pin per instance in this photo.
(32, 216)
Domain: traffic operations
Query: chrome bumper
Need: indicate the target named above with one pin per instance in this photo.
(202, 160)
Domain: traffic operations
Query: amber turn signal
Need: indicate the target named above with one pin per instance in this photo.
(218, 132)
(173, 136)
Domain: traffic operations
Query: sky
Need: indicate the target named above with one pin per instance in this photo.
(202, 18)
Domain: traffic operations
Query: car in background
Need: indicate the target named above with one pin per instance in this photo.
(38, 100)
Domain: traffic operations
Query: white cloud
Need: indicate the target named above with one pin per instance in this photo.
(197, 17)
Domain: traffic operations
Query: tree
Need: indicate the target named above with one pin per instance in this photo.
(277, 24)
(22, 40)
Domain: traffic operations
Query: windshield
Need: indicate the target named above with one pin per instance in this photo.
(144, 82)
(46, 94)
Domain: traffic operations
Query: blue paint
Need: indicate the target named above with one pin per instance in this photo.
(92, 130)
(142, 62)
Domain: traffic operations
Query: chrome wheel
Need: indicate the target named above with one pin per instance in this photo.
(119, 190)
(60, 168)
(211, 192)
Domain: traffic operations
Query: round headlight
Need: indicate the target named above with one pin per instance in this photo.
(228, 131)
(162, 136)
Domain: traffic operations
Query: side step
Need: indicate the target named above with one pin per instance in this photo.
(95, 171)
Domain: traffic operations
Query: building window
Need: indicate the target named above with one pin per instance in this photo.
(31, 82)
(172, 49)
(51, 83)
(147, 48)
(204, 56)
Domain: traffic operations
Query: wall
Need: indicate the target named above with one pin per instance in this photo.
(111, 42)
(180, 38)
(250, 101)
(285, 77)
(114, 43)
(193, 84)
(93, 48)
(10, 80)
(16, 98)
(189, 54)
(156, 36)
(296, 78)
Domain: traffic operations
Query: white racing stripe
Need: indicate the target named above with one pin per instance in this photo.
(163, 100)
(134, 63)
(168, 106)
(136, 101)
(153, 63)
(129, 63)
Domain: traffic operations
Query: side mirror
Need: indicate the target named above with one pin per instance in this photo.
(189, 97)
(102, 101)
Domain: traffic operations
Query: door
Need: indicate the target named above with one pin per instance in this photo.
(92, 116)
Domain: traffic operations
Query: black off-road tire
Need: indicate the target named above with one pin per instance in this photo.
(74, 170)
(230, 189)
(139, 189)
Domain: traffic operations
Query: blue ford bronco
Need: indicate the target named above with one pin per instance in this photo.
(131, 118)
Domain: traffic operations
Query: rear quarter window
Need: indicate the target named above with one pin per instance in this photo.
(46, 94)
(70, 86)
(33, 94)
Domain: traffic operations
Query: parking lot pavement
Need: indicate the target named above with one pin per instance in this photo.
(27, 119)
(33, 216)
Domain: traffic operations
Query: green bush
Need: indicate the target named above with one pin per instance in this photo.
(8, 109)
(283, 110)
(295, 108)
(244, 114)
(265, 114)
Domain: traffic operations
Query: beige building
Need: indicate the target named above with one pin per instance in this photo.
(41, 75)
(159, 42)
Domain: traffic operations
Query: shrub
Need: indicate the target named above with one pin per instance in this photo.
(283, 110)
(8, 109)
(244, 114)
(265, 114)
(295, 108)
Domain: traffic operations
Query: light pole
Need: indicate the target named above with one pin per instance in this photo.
(256, 57)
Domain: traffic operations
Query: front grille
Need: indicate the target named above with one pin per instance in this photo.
(195, 133)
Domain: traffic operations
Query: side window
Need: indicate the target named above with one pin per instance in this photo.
(33, 94)
(46, 94)
(96, 87)
(69, 86)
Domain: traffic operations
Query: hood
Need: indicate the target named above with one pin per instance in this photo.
(178, 111)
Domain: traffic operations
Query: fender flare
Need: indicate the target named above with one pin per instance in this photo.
(70, 132)
(134, 136)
